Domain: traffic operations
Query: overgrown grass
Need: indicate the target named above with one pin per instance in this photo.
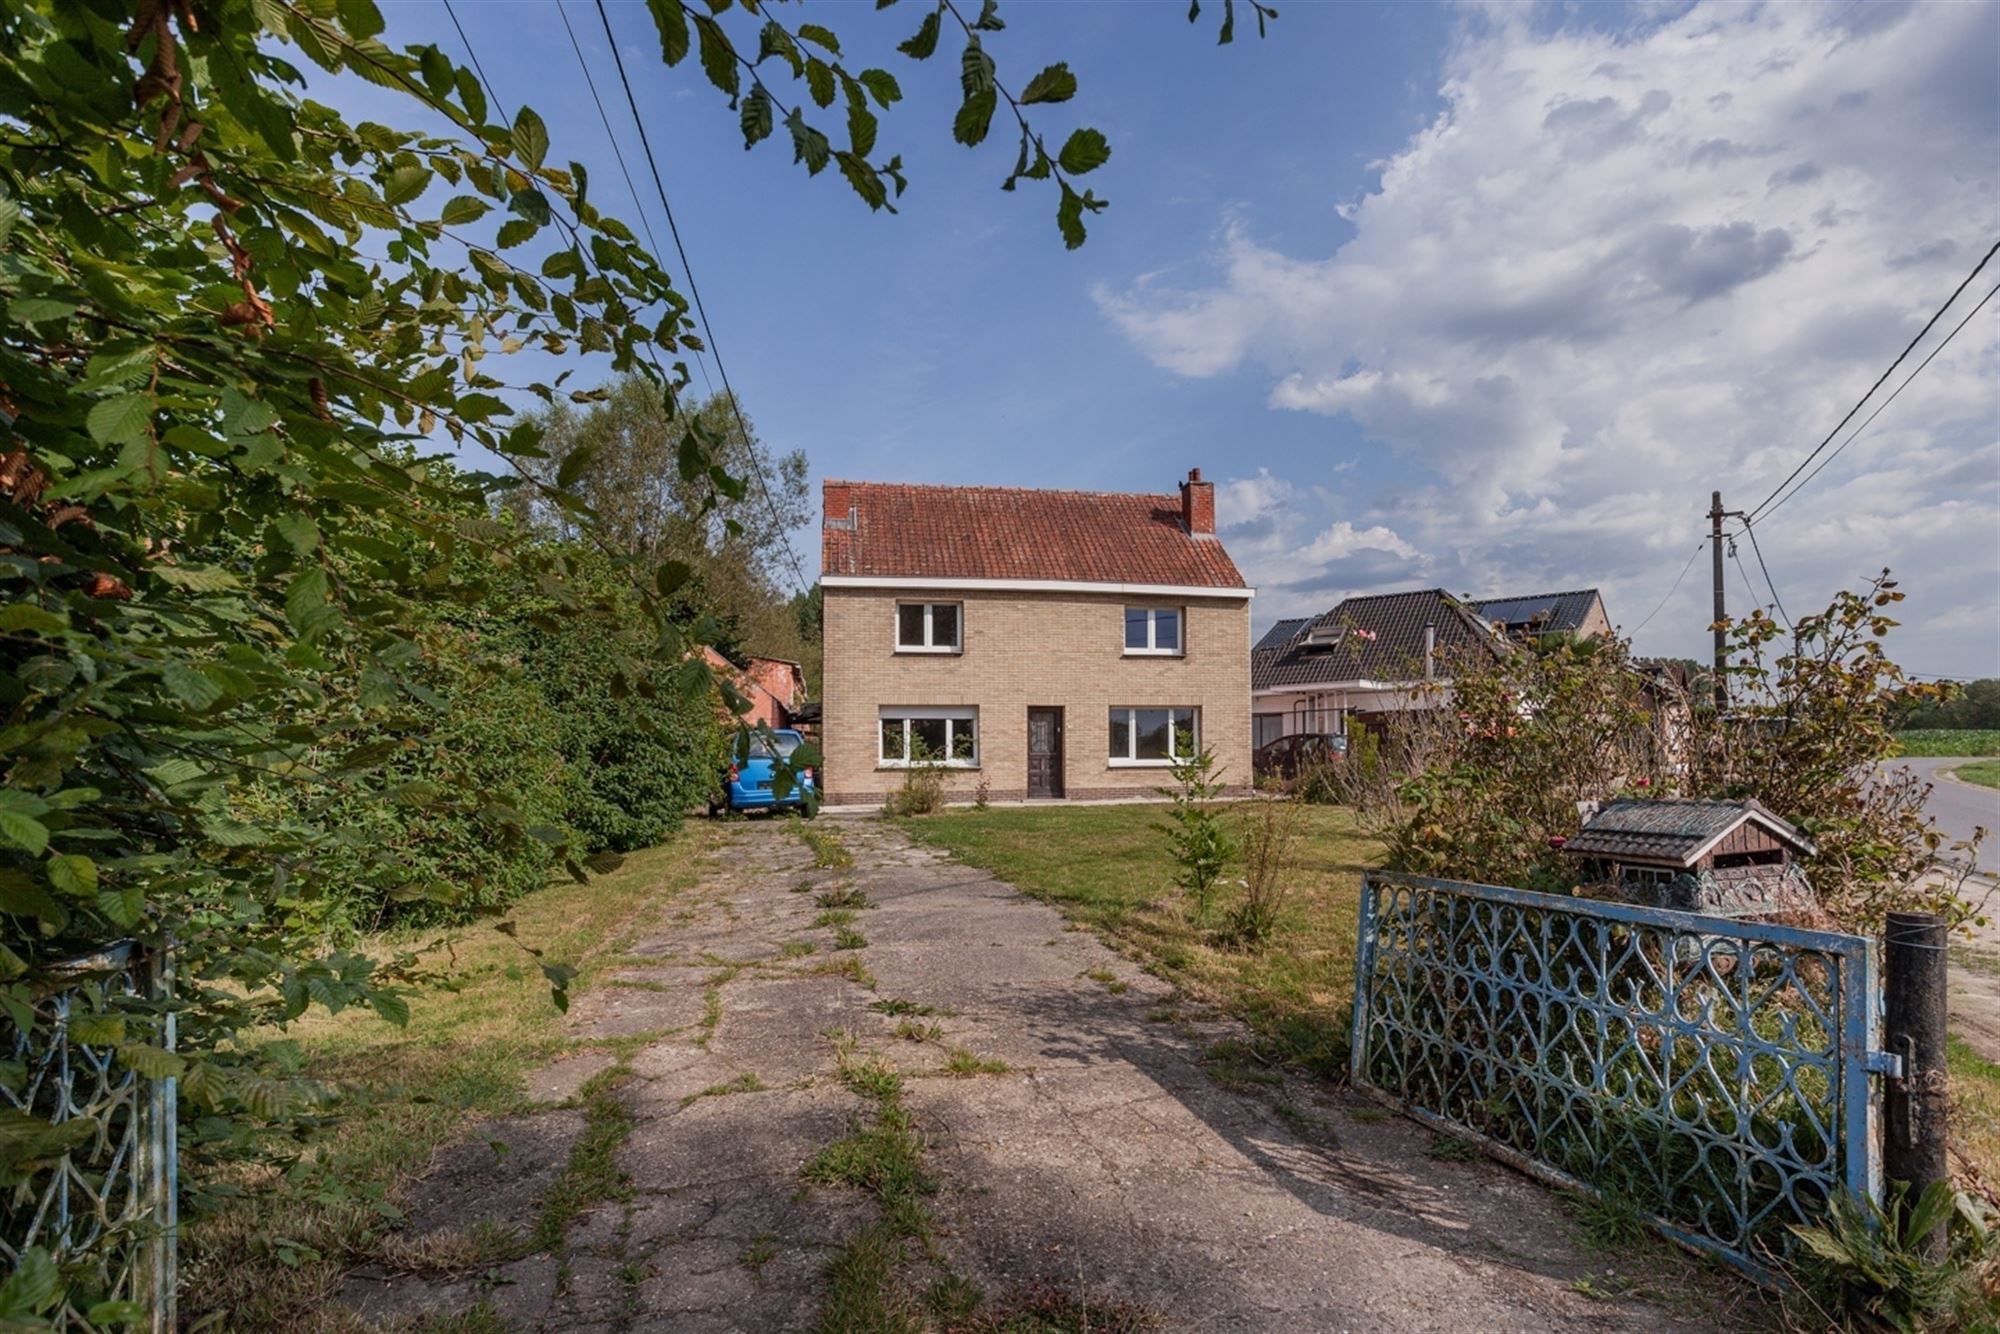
(1986, 773)
(1107, 867)
(269, 1258)
(1971, 741)
(1975, 1113)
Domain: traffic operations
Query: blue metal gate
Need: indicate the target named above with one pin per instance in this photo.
(1714, 1072)
(102, 1202)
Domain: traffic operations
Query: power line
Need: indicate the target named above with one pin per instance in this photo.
(1758, 510)
(694, 290)
(749, 444)
(1675, 589)
(1887, 401)
(1751, 533)
(638, 205)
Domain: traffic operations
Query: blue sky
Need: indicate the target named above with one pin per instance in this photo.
(1481, 297)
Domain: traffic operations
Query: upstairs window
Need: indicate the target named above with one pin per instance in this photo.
(1153, 630)
(1154, 736)
(928, 627)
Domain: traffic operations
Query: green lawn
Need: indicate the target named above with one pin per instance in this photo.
(270, 1259)
(1107, 867)
(1986, 773)
(1946, 741)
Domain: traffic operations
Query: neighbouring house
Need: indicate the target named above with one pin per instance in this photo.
(1730, 858)
(775, 687)
(1367, 659)
(1579, 612)
(1036, 644)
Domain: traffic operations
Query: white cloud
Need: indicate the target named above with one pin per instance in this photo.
(1623, 269)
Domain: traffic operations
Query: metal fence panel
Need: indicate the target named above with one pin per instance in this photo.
(1714, 1071)
(105, 1205)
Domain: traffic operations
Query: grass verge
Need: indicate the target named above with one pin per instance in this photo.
(1986, 773)
(1107, 867)
(271, 1248)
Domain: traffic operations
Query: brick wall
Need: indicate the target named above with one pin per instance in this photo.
(1029, 650)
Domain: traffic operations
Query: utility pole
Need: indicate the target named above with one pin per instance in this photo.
(1721, 639)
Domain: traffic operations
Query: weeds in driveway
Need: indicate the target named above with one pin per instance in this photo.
(835, 917)
(591, 1175)
(895, 1006)
(828, 851)
(797, 949)
(747, 1082)
(847, 938)
(1109, 980)
(848, 896)
(911, 1030)
(762, 1250)
(850, 967)
(963, 1064)
(1451, 1149)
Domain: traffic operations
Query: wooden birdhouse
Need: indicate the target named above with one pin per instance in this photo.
(1726, 858)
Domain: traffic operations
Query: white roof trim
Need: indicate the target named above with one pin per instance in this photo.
(1033, 586)
(1321, 687)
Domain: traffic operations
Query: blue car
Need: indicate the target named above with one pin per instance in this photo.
(750, 785)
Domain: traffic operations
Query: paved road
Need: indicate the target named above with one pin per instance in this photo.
(1958, 807)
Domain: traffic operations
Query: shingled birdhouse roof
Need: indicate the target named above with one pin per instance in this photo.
(1675, 830)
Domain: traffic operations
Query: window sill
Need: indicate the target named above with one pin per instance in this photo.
(904, 766)
(1155, 653)
(917, 648)
(1142, 764)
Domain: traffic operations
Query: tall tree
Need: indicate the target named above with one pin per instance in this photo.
(627, 459)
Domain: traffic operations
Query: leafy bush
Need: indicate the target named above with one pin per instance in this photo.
(644, 752)
(478, 793)
(1513, 745)
(922, 790)
(1875, 1267)
(1270, 834)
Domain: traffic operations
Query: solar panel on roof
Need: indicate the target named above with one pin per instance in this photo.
(1515, 611)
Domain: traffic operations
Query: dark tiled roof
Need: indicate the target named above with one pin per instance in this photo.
(1280, 634)
(1673, 828)
(1378, 638)
(996, 532)
(1543, 613)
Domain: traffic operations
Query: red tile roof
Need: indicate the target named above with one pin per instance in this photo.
(997, 532)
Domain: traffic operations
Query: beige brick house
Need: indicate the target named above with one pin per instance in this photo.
(1043, 644)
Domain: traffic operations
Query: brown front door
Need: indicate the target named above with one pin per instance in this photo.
(1045, 762)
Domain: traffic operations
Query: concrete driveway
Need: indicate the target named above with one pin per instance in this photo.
(1081, 1146)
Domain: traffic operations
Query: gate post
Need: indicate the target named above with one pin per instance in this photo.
(1918, 1103)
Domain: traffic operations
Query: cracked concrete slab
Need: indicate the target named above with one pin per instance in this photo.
(1105, 1158)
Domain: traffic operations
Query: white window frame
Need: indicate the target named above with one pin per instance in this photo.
(930, 634)
(1152, 633)
(953, 716)
(1130, 759)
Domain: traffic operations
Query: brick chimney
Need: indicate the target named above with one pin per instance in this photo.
(1198, 504)
(838, 500)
